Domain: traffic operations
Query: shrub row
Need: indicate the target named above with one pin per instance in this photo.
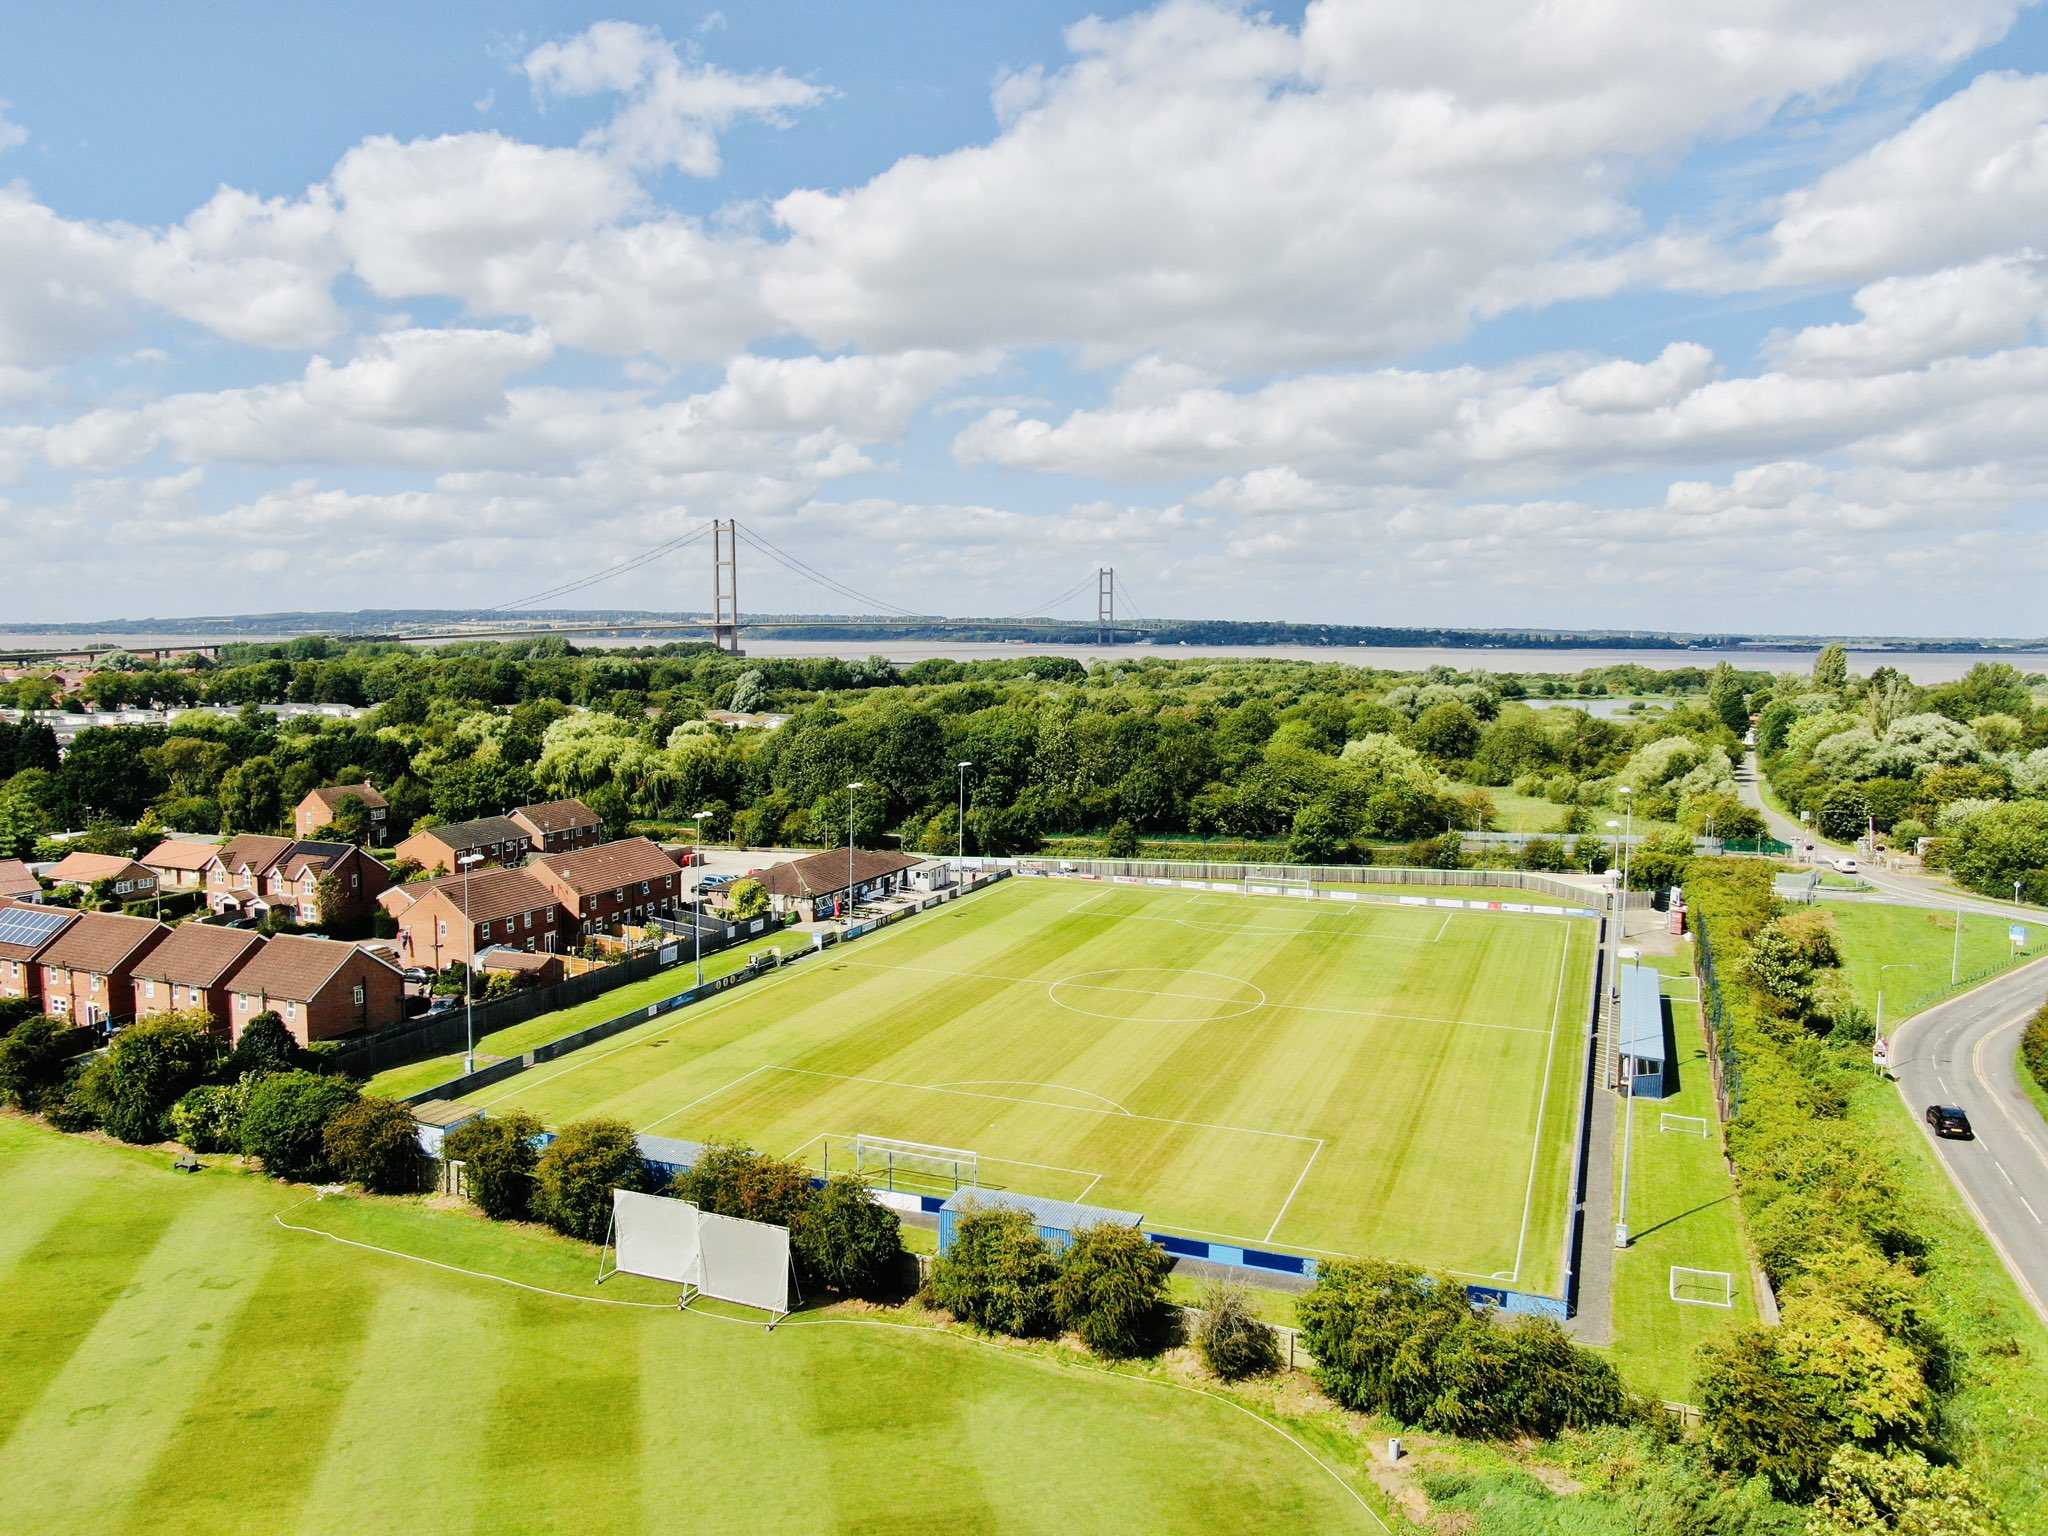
(2034, 1049)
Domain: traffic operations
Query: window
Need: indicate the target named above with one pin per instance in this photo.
(358, 994)
(123, 887)
(444, 928)
(485, 930)
(291, 1010)
(643, 887)
(149, 991)
(98, 982)
(241, 1002)
(526, 919)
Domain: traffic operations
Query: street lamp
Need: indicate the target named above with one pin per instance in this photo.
(697, 894)
(1628, 849)
(960, 827)
(467, 862)
(850, 790)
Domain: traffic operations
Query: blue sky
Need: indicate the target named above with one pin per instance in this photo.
(1466, 314)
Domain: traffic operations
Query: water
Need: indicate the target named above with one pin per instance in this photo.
(1926, 667)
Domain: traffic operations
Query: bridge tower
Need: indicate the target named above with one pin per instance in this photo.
(1105, 606)
(725, 585)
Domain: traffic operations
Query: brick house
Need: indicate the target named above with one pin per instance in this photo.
(528, 970)
(179, 863)
(321, 988)
(811, 887)
(560, 826)
(498, 839)
(439, 923)
(234, 875)
(26, 930)
(88, 970)
(18, 882)
(318, 808)
(129, 880)
(292, 884)
(190, 970)
(623, 882)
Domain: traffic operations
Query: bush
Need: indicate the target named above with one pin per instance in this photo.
(2034, 1048)
(998, 1274)
(209, 1118)
(284, 1121)
(846, 1242)
(1111, 1291)
(375, 1143)
(149, 1067)
(1233, 1341)
(733, 1180)
(497, 1156)
(266, 1046)
(35, 1060)
(1864, 1494)
(72, 1109)
(577, 1172)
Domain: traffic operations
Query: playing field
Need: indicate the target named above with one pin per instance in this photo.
(1314, 1076)
(173, 1361)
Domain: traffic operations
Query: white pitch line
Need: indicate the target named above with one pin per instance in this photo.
(1025, 1082)
(1299, 1181)
(1082, 905)
(648, 1129)
(1543, 1099)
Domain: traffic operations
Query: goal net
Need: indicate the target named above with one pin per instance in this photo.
(1702, 1287)
(1682, 1125)
(914, 1164)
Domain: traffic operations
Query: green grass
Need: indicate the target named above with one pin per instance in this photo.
(1315, 1077)
(1681, 1212)
(173, 1361)
(418, 1076)
(1916, 945)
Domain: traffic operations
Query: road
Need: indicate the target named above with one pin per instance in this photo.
(1964, 1052)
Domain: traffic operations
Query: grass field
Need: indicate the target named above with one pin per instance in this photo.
(173, 1361)
(1916, 946)
(1319, 1077)
(1681, 1210)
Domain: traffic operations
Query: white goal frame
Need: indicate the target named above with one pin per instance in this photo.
(1682, 1125)
(886, 1153)
(1727, 1280)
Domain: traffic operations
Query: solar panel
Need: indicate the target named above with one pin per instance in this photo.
(27, 927)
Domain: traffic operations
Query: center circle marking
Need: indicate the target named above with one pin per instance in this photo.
(1125, 993)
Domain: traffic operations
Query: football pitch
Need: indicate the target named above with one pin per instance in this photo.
(1315, 1077)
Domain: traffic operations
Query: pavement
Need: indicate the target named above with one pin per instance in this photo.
(1964, 1052)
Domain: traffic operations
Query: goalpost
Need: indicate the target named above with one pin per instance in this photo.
(1702, 1287)
(883, 1159)
(1682, 1125)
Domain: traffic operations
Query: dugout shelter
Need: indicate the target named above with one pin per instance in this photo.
(1644, 1045)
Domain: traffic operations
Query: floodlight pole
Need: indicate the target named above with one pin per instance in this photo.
(1628, 839)
(850, 790)
(1891, 965)
(960, 825)
(468, 862)
(1628, 1129)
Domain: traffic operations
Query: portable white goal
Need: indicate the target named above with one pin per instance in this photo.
(1702, 1287)
(722, 1257)
(1682, 1125)
(884, 1160)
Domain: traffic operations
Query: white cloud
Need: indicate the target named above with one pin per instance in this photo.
(674, 109)
(12, 134)
(1908, 321)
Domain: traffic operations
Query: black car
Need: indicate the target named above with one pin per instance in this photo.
(1948, 1120)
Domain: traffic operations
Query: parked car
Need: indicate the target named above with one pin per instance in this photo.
(1949, 1120)
(1846, 866)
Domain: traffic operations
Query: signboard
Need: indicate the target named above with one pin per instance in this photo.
(2017, 932)
(1880, 1052)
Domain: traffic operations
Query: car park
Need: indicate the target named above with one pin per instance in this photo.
(1949, 1120)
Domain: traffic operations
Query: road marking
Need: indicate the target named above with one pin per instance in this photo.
(2002, 1173)
(2031, 1211)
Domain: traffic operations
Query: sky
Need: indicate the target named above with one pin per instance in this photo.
(1599, 314)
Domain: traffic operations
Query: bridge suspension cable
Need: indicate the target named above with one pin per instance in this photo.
(797, 567)
(646, 557)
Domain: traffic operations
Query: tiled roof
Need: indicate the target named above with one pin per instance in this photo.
(253, 850)
(823, 873)
(493, 893)
(559, 815)
(101, 942)
(295, 967)
(180, 853)
(17, 879)
(499, 958)
(332, 795)
(84, 868)
(608, 866)
(199, 954)
(475, 834)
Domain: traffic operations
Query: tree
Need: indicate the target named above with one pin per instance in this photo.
(1319, 834)
(846, 1241)
(1447, 732)
(375, 1143)
(497, 1156)
(1234, 1341)
(1831, 667)
(351, 823)
(284, 1121)
(729, 1179)
(209, 1118)
(1865, 1494)
(577, 1172)
(266, 1046)
(35, 1060)
(331, 902)
(1120, 841)
(251, 797)
(748, 899)
(998, 1275)
(2002, 844)
(1111, 1290)
(149, 1067)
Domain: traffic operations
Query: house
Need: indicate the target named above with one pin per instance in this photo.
(88, 971)
(560, 826)
(623, 882)
(128, 880)
(316, 811)
(234, 875)
(453, 918)
(530, 970)
(18, 882)
(292, 884)
(733, 720)
(26, 931)
(812, 888)
(179, 863)
(495, 839)
(190, 970)
(321, 988)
